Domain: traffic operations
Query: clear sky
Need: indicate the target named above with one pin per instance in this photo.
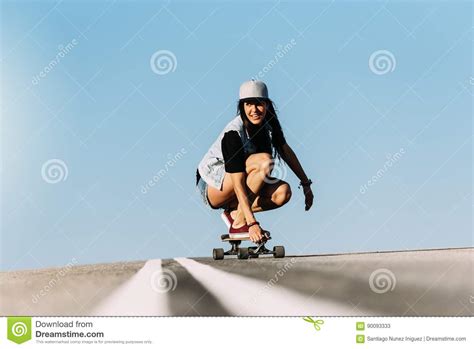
(101, 97)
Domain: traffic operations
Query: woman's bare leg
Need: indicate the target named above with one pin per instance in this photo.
(263, 196)
(255, 164)
(270, 195)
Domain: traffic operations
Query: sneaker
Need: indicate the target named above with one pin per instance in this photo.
(239, 233)
(227, 218)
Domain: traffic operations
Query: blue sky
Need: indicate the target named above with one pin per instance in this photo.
(375, 98)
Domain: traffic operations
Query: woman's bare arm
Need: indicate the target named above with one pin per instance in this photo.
(291, 159)
(289, 156)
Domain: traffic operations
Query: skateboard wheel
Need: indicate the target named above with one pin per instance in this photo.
(243, 253)
(218, 253)
(278, 251)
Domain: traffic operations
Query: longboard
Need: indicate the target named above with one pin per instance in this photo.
(247, 252)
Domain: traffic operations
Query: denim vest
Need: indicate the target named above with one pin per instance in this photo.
(211, 168)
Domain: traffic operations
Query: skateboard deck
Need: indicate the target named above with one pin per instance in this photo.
(247, 252)
(226, 237)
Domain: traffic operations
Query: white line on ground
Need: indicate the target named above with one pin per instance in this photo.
(140, 295)
(242, 295)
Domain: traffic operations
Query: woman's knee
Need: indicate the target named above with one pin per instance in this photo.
(282, 195)
(260, 162)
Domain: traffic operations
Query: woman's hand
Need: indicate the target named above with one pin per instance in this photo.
(255, 233)
(308, 197)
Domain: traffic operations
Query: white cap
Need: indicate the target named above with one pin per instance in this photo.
(253, 89)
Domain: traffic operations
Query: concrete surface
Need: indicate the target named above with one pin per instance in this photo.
(397, 283)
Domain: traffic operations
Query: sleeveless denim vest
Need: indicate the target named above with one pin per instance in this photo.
(211, 168)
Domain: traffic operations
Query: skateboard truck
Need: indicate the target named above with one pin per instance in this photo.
(247, 252)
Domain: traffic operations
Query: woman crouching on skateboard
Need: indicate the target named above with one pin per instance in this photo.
(234, 175)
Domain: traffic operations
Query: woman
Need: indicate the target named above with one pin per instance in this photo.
(235, 173)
